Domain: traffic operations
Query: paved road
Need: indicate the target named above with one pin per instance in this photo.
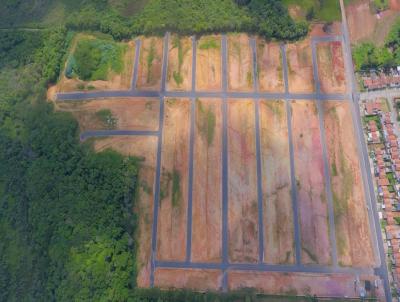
(138, 44)
(364, 159)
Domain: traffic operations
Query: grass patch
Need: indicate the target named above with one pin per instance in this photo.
(94, 59)
(107, 119)
(151, 55)
(206, 123)
(317, 10)
(176, 188)
(177, 74)
(209, 43)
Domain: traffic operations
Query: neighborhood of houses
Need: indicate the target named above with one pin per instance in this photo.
(374, 80)
(383, 145)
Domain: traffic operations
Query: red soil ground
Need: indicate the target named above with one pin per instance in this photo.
(353, 235)
(269, 63)
(277, 201)
(150, 64)
(171, 234)
(300, 68)
(323, 285)
(242, 182)
(331, 67)
(207, 186)
(145, 148)
(130, 113)
(311, 198)
(208, 63)
(195, 279)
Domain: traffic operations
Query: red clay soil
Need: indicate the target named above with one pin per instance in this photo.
(130, 113)
(240, 63)
(276, 184)
(311, 198)
(207, 187)
(208, 63)
(195, 279)
(300, 68)
(242, 182)
(171, 235)
(331, 67)
(179, 74)
(309, 284)
(394, 4)
(269, 65)
(144, 148)
(150, 64)
(353, 235)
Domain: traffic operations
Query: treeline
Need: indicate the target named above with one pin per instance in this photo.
(267, 18)
(369, 56)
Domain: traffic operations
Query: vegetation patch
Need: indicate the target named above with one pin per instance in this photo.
(206, 122)
(151, 55)
(176, 189)
(94, 59)
(107, 118)
(315, 10)
(182, 52)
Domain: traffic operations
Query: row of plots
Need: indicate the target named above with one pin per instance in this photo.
(353, 242)
(240, 57)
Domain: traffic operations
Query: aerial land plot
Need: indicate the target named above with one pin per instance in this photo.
(180, 55)
(150, 64)
(207, 187)
(269, 67)
(208, 63)
(300, 68)
(97, 63)
(311, 197)
(240, 61)
(331, 67)
(194, 279)
(304, 284)
(114, 113)
(276, 184)
(172, 217)
(144, 148)
(242, 182)
(353, 235)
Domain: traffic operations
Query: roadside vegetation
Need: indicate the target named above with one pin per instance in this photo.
(369, 56)
(314, 10)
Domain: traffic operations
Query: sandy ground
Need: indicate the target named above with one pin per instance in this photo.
(300, 69)
(331, 67)
(240, 61)
(150, 64)
(351, 218)
(242, 182)
(145, 148)
(114, 82)
(208, 64)
(311, 198)
(207, 187)
(323, 285)
(130, 113)
(180, 54)
(171, 239)
(269, 65)
(277, 201)
(195, 279)
(367, 26)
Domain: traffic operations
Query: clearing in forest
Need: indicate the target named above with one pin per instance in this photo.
(180, 54)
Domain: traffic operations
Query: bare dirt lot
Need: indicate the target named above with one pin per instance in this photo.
(171, 240)
(300, 68)
(277, 201)
(364, 25)
(351, 217)
(208, 63)
(269, 67)
(144, 148)
(207, 182)
(150, 64)
(242, 182)
(322, 285)
(195, 279)
(331, 70)
(240, 61)
(311, 197)
(115, 81)
(114, 113)
(180, 55)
